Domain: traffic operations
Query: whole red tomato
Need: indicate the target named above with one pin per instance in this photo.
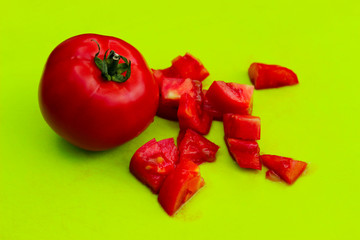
(97, 92)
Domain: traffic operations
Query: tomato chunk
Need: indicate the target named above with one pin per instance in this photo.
(180, 185)
(197, 148)
(192, 116)
(245, 153)
(186, 66)
(245, 127)
(152, 162)
(169, 150)
(231, 97)
(208, 107)
(190, 67)
(173, 88)
(286, 168)
(171, 91)
(160, 74)
(271, 76)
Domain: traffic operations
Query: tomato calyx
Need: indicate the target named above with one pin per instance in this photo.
(110, 67)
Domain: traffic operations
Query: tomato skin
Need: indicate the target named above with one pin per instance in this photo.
(271, 76)
(245, 127)
(179, 186)
(87, 110)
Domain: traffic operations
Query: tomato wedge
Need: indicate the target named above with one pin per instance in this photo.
(286, 168)
(245, 153)
(180, 185)
(231, 97)
(152, 162)
(245, 127)
(271, 76)
(197, 148)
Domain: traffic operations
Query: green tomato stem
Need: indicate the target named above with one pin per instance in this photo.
(110, 68)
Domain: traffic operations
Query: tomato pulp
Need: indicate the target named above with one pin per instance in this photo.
(91, 109)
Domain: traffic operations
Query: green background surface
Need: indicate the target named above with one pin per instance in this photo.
(50, 189)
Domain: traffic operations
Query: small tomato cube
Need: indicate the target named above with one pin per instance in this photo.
(197, 148)
(245, 153)
(271, 76)
(191, 115)
(152, 162)
(245, 127)
(190, 67)
(171, 90)
(231, 97)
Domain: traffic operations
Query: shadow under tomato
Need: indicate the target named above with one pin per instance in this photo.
(75, 153)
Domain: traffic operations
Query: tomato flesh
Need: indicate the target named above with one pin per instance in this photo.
(245, 127)
(186, 66)
(245, 153)
(197, 148)
(271, 76)
(231, 97)
(192, 116)
(152, 162)
(160, 74)
(208, 107)
(173, 88)
(286, 168)
(180, 185)
(171, 91)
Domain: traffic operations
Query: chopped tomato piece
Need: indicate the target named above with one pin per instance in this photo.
(245, 127)
(192, 116)
(170, 92)
(160, 74)
(186, 66)
(180, 185)
(173, 88)
(286, 168)
(271, 76)
(169, 150)
(208, 107)
(245, 153)
(190, 67)
(197, 148)
(231, 97)
(152, 162)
